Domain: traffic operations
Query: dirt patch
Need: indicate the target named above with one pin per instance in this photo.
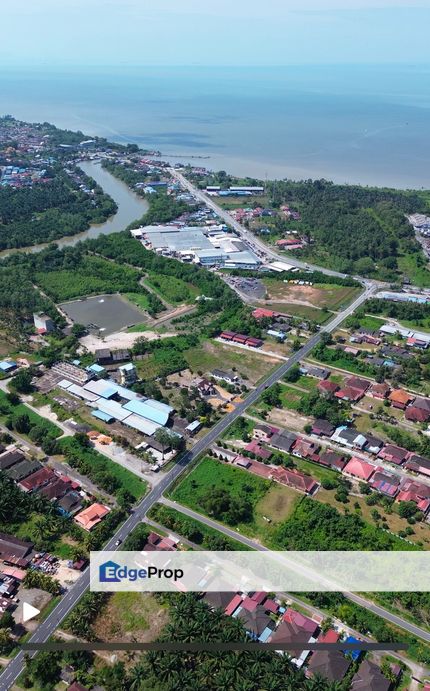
(288, 419)
(119, 340)
(278, 503)
(131, 616)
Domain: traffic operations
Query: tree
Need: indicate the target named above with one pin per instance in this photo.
(45, 669)
(22, 423)
(407, 509)
(22, 381)
(124, 498)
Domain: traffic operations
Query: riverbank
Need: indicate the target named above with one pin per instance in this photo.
(130, 207)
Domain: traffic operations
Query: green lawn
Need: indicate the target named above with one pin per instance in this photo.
(291, 397)
(138, 299)
(7, 410)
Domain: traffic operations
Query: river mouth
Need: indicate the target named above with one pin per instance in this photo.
(131, 208)
(103, 314)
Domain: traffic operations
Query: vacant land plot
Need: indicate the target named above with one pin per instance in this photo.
(213, 355)
(173, 290)
(99, 463)
(278, 503)
(91, 276)
(320, 295)
(131, 616)
(298, 310)
(14, 411)
(291, 397)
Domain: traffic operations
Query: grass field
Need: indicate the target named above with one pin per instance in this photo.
(173, 290)
(189, 528)
(100, 463)
(419, 275)
(211, 355)
(7, 409)
(320, 295)
(138, 299)
(290, 397)
(278, 503)
(212, 475)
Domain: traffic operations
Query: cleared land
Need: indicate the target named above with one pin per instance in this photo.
(297, 310)
(131, 617)
(213, 355)
(320, 295)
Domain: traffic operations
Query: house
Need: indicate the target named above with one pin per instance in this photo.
(262, 313)
(264, 432)
(232, 606)
(385, 483)
(304, 449)
(218, 600)
(229, 377)
(318, 372)
(357, 383)
(294, 479)
(330, 664)
(393, 454)
(92, 516)
(127, 374)
(400, 398)
(259, 451)
(327, 388)
(359, 469)
(350, 437)
(422, 403)
(254, 618)
(379, 391)
(333, 460)
(227, 335)
(418, 464)
(349, 394)
(43, 323)
(322, 428)
(284, 441)
(369, 678)
(373, 444)
(14, 551)
(10, 458)
(37, 480)
(414, 414)
(254, 342)
(413, 342)
(70, 504)
(7, 366)
(224, 454)
(413, 490)
(204, 387)
(295, 628)
(193, 428)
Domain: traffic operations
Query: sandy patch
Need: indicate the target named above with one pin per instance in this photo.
(119, 340)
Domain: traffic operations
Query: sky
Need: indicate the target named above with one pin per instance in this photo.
(57, 33)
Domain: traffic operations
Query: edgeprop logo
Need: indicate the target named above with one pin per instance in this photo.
(111, 572)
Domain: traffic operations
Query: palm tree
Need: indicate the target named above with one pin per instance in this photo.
(137, 676)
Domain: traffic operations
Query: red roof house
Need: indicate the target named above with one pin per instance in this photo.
(400, 398)
(414, 414)
(359, 469)
(327, 387)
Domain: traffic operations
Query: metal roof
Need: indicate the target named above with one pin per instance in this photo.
(148, 411)
(102, 387)
(141, 424)
(64, 384)
(114, 409)
(82, 393)
(100, 415)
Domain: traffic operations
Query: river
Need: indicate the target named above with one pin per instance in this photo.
(131, 207)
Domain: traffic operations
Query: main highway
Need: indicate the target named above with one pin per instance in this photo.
(47, 627)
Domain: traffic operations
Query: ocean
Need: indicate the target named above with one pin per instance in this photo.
(365, 124)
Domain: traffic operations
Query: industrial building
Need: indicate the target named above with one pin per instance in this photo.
(110, 402)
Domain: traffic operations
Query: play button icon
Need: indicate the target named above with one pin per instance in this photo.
(29, 612)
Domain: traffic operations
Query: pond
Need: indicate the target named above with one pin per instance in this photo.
(104, 314)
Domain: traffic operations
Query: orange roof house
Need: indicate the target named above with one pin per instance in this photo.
(90, 517)
(400, 398)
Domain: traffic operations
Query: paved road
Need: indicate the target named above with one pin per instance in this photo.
(250, 238)
(47, 627)
(235, 535)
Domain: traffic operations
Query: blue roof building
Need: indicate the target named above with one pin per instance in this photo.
(7, 366)
(151, 410)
